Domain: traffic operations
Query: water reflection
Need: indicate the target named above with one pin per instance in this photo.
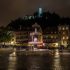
(57, 63)
(34, 63)
(12, 61)
(39, 62)
(3, 62)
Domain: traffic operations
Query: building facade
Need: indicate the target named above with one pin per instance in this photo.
(64, 34)
(51, 36)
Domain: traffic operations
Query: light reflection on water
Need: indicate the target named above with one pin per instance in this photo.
(12, 61)
(34, 63)
(57, 63)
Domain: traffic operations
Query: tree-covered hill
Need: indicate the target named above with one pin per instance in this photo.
(46, 19)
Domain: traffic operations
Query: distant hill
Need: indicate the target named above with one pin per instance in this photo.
(46, 19)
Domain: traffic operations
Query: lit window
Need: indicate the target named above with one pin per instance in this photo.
(66, 28)
(51, 36)
(46, 36)
(55, 32)
(59, 28)
(25, 17)
(63, 28)
(67, 37)
(30, 17)
(55, 37)
(63, 32)
(35, 39)
(63, 37)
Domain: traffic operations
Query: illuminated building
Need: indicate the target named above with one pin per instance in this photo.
(51, 37)
(64, 34)
(36, 37)
(21, 38)
(57, 36)
(39, 14)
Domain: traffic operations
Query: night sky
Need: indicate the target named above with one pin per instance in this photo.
(12, 9)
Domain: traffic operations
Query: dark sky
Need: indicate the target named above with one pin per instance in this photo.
(11, 9)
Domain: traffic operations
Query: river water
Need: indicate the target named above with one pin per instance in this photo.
(54, 61)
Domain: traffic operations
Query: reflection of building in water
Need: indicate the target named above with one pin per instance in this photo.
(36, 37)
(34, 63)
(12, 61)
(56, 62)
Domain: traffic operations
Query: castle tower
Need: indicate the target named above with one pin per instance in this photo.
(40, 12)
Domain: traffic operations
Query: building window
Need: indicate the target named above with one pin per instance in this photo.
(46, 36)
(66, 28)
(63, 38)
(55, 37)
(63, 32)
(55, 32)
(63, 28)
(59, 28)
(30, 17)
(51, 36)
(67, 37)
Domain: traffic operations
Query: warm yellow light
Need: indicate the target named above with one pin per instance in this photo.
(56, 44)
(12, 42)
(59, 28)
(63, 37)
(51, 36)
(63, 28)
(67, 37)
(67, 28)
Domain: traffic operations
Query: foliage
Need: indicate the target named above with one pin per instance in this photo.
(47, 19)
(5, 36)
